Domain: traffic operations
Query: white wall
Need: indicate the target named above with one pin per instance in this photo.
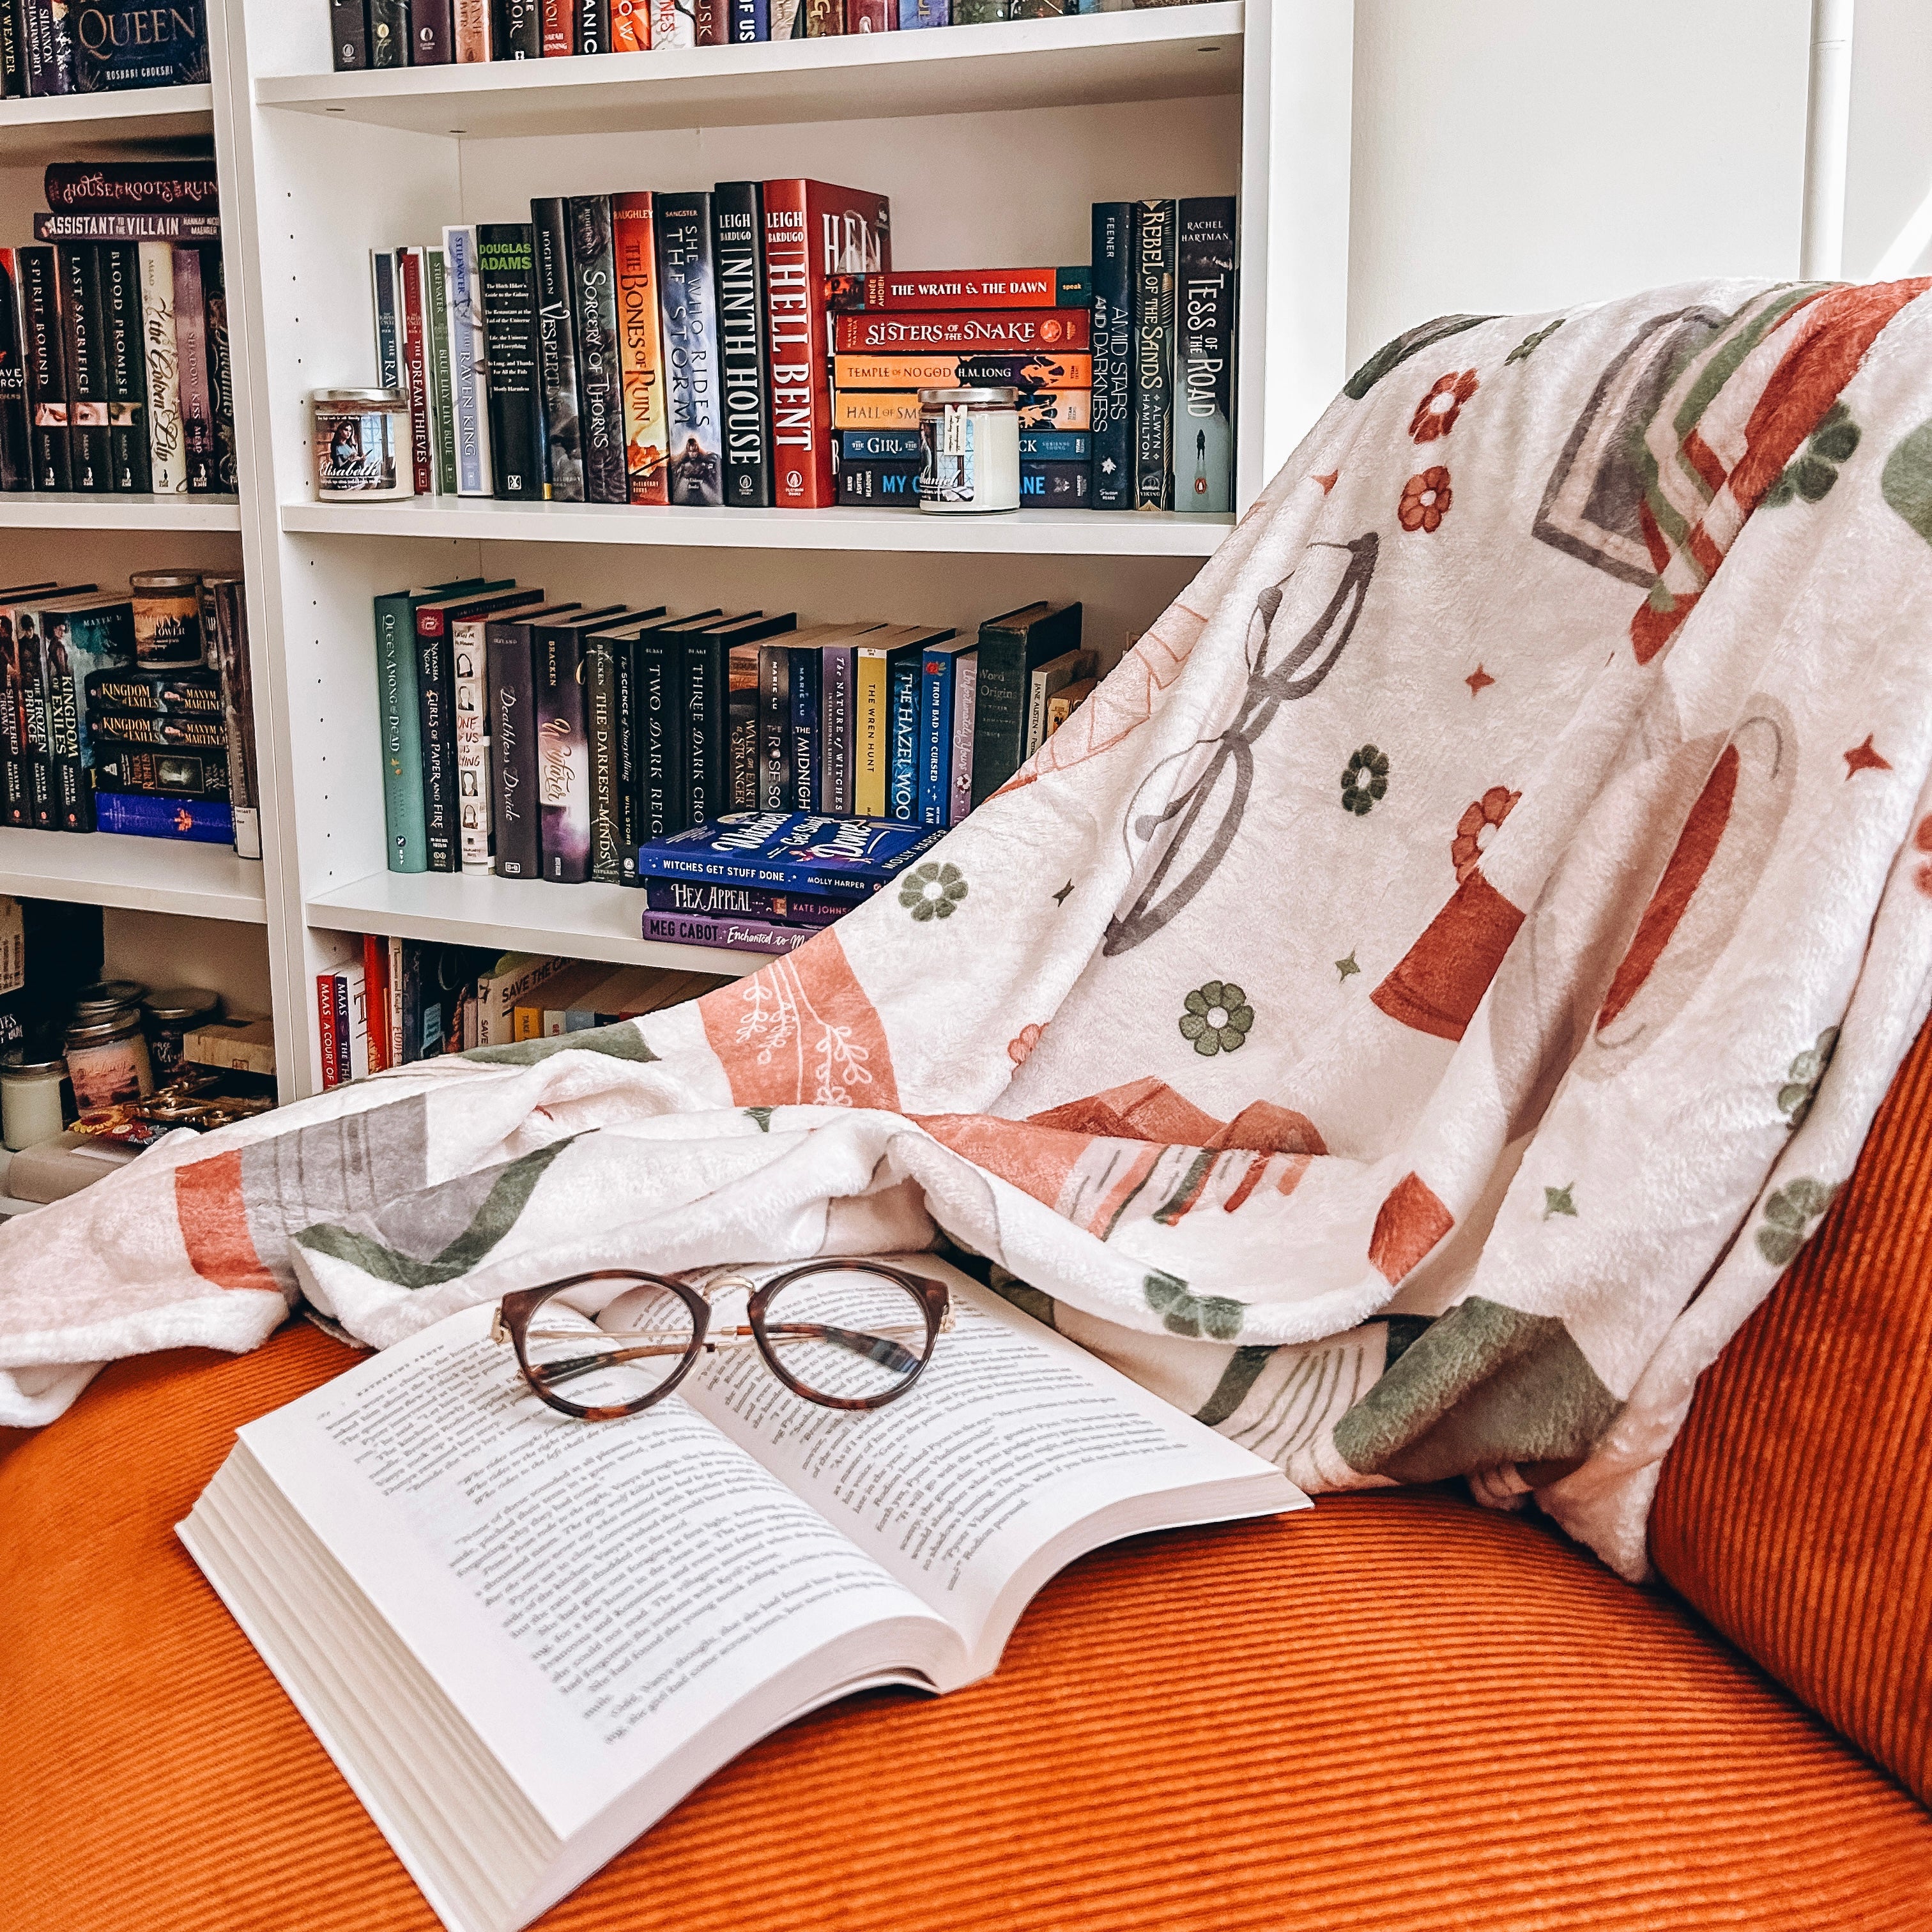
(1888, 175)
(1521, 154)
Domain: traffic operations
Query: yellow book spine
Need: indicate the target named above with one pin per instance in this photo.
(870, 746)
(875, 409)
(527, 1023)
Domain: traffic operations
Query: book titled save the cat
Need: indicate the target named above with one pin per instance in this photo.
(522, 1639)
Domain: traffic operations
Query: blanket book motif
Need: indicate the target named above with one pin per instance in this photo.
(523, 1639)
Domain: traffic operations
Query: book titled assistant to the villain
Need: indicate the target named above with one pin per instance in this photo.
(523, 1639)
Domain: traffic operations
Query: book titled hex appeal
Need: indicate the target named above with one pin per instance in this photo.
(790, 851)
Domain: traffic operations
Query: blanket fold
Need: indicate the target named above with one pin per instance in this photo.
(1409, 1016)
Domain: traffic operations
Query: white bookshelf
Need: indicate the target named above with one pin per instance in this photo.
(993, 142)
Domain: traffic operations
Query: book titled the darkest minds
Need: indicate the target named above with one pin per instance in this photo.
(738, 227)
(120, 44)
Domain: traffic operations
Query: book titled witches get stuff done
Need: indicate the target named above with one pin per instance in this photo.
(794, 851)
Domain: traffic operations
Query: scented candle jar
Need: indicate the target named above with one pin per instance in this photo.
(362, 452)
(107, 1059)
(971, 440)
(31, 1108)
(167, 618)
(168, 1018)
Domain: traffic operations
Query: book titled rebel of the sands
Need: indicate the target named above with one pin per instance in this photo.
(523, 1639)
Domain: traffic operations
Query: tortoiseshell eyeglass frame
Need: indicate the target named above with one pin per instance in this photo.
(516, 1311)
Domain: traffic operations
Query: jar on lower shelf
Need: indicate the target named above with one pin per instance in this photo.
(32, 1106)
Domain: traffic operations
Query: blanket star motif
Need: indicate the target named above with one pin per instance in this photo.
(1409, 1016)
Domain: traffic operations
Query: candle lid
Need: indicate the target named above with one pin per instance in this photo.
(996, 397)
(105, 995)
(181, 1003)
(396, 397)
(95, 1028)
(17, 1066)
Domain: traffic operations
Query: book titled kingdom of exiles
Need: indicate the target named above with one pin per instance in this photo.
(724, 1561)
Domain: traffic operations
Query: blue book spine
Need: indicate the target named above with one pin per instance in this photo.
(935, 745)
(804, 747)
(468, 362)
(1054, 446)
(750, 20)
(873, 445)
(925, 13)
(202, 821)
(1113, 341)
(902, 782)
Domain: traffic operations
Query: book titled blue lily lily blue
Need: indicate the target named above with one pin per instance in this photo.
(793, 851)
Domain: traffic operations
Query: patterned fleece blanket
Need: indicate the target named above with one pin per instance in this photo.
(1410, 1016)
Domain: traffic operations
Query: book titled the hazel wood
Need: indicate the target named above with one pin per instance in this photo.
(789, 851)
(522, 1639)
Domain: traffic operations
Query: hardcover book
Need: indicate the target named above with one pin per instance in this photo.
(965, 692)
(775, 727)
(903, 673)
(885, 486)
(220, 369)
(49, 47)
(126, 225)
(510, 692)
(468, 363)
(1154, 268)
(812, 230)
(81, 334)
(475, 31)
(44, 348)
(224, 628)
(924, 13)
(1026, 372)
(1012, 647)
(560, 28)
(432, 33)
(388, 33)
(698, 900)
(134, 814)
(938, 689)
(807, 673)
(673, 23)
(518, 30)
(1068, 484)
(593, 26)
(662, 721)
(129, 463)
(12, 53)
(442, 372)
(838, 665)
(79, 637)
(120, 44)
(687, 311)
(600, 414)
(790, 852)
(726, 930)
(738, 221)
(925, 288)
(186, 187)
(630, 26)
(563, 753)
(506, 277)
(751, 22)
(710, 649)
(389, 318)
(1113, 337)
(990, 332)
(641, 348)
(413, 316)
(556, 352)
(167, 451)
(1203, 379)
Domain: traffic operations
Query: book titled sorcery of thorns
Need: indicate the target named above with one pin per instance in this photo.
(522, 1639)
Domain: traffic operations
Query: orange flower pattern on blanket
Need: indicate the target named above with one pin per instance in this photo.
(802, 1031)
(1425, 498)
(1486, 814)
(1435, 415)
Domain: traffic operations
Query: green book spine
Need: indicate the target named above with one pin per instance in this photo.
(398, 705)
(1008, 654)
(441, 389)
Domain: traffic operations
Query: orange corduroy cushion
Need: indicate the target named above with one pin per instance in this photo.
(1395, 1712)
(1795, 1510)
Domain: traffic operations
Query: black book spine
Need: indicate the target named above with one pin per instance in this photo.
(738, 258)
(661, 723)
(49, 47)
(435, 695)
(556, 352)
(624, 725)
(73, 786)
(513, 751)
(1113, 341)
(221, 368)
(349, 31)
(1203, 363)
(600, 730)
(34, 743)
(16, 455)
(80, 269)
(192, 371)
(130, 462)
(388, 33)
(688, 305)
(1154, 265)
(741, 732)
(519, 34)
(13, 52)
(600, 412)
(562, 764)
(506, 274)
(46, 357)
(432, 33)
(807, 772)
(706, 769)
(775, 728)
(15, 807)
(593, 26)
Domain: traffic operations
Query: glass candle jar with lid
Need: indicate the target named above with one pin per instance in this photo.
(32, 1107)
(106, 996)
(970, 441)
(362, 445)
(168, 1017)
(107, 1058)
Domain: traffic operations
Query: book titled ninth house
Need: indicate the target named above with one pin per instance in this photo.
(796, 851)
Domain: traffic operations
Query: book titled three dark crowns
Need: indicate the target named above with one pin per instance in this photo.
(738, 227)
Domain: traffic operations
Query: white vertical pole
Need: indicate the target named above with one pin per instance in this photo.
(1828, 121)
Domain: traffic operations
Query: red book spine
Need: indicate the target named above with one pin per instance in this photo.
(640, 347)
(324, 1013)
(375, 986)
(871, 16)
(415, 370)
(990, 332)
(630, 26)
(714, 23)
(912, 290)
(560, 28)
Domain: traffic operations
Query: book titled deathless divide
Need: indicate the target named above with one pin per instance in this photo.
(523, 1639)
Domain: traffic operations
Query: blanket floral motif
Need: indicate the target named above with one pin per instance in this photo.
(1409, 1016)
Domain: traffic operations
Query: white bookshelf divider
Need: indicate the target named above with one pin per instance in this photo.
(993, 142)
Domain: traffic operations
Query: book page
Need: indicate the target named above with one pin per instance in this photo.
(966, 1488)
(590, 1595)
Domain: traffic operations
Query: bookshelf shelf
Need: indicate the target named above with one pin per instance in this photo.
(147, 875)
(589, 922)
(1014, 533)
(72, 511)
(67, 126)
(1169, 53)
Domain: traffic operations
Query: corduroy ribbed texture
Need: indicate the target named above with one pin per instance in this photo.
(1395, 1712)
(1795, 1510)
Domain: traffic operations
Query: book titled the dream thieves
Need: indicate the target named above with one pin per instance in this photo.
(728, 1564)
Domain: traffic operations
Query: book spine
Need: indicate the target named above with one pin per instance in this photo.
(389, 318)
(438, 740)
(823, 18)
(354, 1009)
(189, 185)
(119, 767)
(197, 411)
(324, 1016)
(470, 717)
(413, 304)
(1056, 446)
(976, 333)
(167, 456)
(396, 979)
(733, 935)
(441, 385)
(127, 226)
(224, 624)
(924, 13)
(345, 1057)
(559, 29)
(388, 33)
(965, 695)
(751, 22)
(13, 52)
(506, 280)
(630, 26)
(119, 46)
(872, 735)
(221, 371)
(600, 411)
(563, 773)
(469, 365)
(894, 485)
(415, 1020)
(349, 33)
(593, 26)
(600, 701)
(688, 308)
(67, 755)
(1000, 699)
(36, 749)
(640, 347)
(706, 771)
(871, 16)
(626, 773)
(49, 48)
(518, 30)
(801, 399)
(1066, 484)
(556, 352)
(1204, 402)
(46, 355)
(837, 663)
(432, 33)
(713, 18)
(401, 722)
(1027, 371)
(1112, 337)
(475, 31)
(708, 901)
(15, 806)
(375, 980)
(923, 291)
(935, 745)
(1154, 263)
(135, 814)
(902, 785)
(673, 23)
(17, 449)
(806, 766)
(513, 796)
(774, 743)
(661, 734)
(738, 221)
(742, 698)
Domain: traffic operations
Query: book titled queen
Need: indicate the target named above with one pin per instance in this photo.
(523, 1639)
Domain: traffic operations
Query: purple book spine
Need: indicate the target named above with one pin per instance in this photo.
(197, 410)
(734, 935)
(563, 756)
(965, 690)
(836, 738)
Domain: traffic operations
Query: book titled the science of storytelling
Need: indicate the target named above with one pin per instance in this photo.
(795, 851)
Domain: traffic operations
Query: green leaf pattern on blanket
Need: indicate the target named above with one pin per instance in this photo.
(762, 1115)
(1812, 471)
(1788, 1216)
(622, 1041)
(932, 890)
(1906, 483)
(1028, 1299)
(1181, 1312)
(1801, 1079)
(1217, 1017)
(1364, 780)
(1410, 342)
(1532, 343)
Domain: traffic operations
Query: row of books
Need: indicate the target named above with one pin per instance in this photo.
(432, 33)
(101, 47)
(114, 368)
(91, 740)
(407, 999)
(540, 739)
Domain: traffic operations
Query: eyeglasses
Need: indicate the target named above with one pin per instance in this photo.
(845, 1334)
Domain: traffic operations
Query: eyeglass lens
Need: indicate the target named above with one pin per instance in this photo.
(620, 1360)
(848, 1334)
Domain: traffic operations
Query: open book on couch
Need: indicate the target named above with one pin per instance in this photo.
(522, 1639)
